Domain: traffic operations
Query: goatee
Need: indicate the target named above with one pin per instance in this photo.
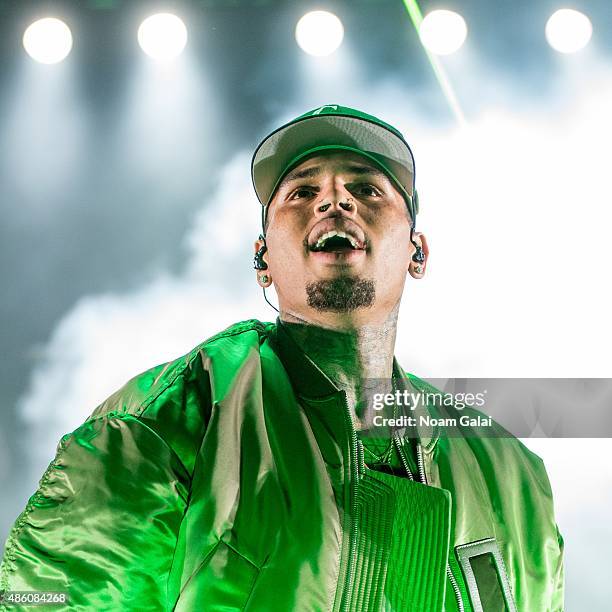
(341, 294)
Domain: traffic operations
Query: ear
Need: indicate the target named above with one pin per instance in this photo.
(258, 244)
(413, 266)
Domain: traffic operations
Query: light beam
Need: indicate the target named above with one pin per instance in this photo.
(417, 18)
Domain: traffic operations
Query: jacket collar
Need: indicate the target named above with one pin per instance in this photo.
(310, 382)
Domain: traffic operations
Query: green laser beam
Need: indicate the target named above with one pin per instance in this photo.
(416, 17)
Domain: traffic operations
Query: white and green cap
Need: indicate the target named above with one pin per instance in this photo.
(334, 127)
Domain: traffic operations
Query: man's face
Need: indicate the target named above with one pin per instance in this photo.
(364, 267)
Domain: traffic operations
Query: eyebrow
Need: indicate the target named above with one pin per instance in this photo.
(316, 170)
(301, 174)
(364, 170)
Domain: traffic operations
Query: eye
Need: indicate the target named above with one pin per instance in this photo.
(366, 190)
(302, 192)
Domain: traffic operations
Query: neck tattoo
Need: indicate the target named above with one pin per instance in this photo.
(355, 359)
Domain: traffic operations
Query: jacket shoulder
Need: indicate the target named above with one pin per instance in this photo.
(174, 400)
(140, 391)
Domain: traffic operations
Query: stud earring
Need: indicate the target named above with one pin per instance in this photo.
(418, 269)
(264, 278)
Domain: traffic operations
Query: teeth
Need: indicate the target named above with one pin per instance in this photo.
(324, 237)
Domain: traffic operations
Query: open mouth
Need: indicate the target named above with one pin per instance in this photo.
(336, 241)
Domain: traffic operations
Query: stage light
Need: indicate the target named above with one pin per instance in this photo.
(319, 33)
(568, 31)
(162, 36)
(48, 40)
(443, 32)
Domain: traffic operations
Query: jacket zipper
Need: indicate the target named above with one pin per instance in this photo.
(455, 586)
(400, 452)
(449, 571)
(354, 485)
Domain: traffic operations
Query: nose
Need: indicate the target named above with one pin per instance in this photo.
(339, 203)
(348, 205)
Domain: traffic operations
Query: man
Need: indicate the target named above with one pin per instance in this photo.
(250, 474)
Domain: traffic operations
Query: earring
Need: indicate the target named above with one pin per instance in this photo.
(264, 278)
(258, 261)
(418, 269)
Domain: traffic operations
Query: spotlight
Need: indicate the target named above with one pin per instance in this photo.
(319, 33)
(568, 31)
(443, 32)
(48, 40)
(162, 36)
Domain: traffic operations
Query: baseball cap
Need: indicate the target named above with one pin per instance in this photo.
(333, 127)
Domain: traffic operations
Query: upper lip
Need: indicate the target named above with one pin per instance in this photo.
(349, 228)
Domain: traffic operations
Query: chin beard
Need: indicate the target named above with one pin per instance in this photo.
(341, 294)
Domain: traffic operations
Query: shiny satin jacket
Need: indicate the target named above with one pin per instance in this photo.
(231, 479)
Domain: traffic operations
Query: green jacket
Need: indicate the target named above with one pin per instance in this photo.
(230, 479)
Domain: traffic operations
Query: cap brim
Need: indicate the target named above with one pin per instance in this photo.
(291, 143)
